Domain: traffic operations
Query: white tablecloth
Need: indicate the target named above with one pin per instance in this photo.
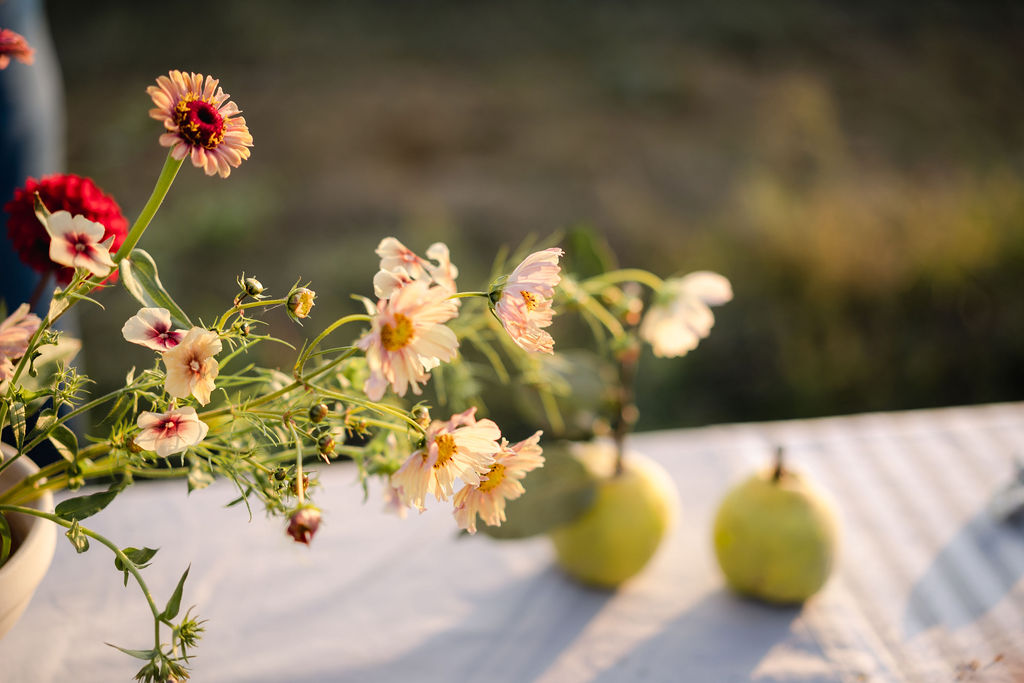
(928, 587)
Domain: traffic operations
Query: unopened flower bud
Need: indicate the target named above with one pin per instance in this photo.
(422, 416)
(280, 474)
(244, 329)
(253, 287)
(326, 444)
(303, 524)
(300, 301)
(318, 411)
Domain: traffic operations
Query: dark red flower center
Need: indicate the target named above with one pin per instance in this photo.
(199, 122)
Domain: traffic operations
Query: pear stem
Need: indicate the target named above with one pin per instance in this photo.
(778, 469)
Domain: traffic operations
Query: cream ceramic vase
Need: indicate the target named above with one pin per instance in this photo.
(35, 539)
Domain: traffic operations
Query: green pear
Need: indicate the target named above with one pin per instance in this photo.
(775, 536)
(617, 535)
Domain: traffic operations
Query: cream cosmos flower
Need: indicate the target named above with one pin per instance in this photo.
(15, 333)
(680, 316)
(524, 303)
(502, 482)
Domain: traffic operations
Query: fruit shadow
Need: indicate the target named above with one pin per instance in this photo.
(508, 637)
(969, 576)
(721, 638)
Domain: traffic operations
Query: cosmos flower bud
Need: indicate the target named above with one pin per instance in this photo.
(300, 301)
(303, 524)
(325, 444)
(253, 287)
(318, 411)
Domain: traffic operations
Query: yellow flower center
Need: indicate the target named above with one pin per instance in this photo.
(199, 122)
(446, 449)
(397, 337)
(529, 299)
(494, 477)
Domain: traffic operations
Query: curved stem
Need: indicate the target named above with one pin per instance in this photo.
(625, 275)
(252, 304)
(304, 356)
(163, 184)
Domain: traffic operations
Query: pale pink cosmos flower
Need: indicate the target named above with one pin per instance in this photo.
(15, 333)
(191, 366)
(151, 327)
(681, 315)
(75, 242)
(501, 483)
(400, 265)
(172, 432)
(460, 448)
(407, 339)
(201, 122)
(524, 306)
(13, 44)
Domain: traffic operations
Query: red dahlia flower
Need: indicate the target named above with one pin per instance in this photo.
(14, 45)
(67, 192)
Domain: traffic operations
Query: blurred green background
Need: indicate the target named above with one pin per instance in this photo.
(856, 170)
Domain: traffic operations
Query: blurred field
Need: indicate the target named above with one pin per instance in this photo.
(856, 171)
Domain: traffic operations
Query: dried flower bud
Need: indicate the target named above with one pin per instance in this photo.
(300, 301)
(318, 411)
(253, 287)
(303, 524)
(305, 484)
(244, 329)
(280, 474)
(326, 444)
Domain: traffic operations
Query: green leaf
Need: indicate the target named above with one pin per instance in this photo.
(139, 557)
(65, 441)
(117, 412)
(138, 654)
(6, 539)
(85, 506)
(174, 604)
(140, 277)
(17, 418)
(555, 494)
(77, 537)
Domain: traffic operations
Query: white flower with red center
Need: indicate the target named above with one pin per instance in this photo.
(191, 366)
(407, 339)
(681, 315)
(75, 242)
(524, 301)
(201, 122)
(15, 333)
(172, 432)
(460, 448)
(151, 327)
(400, 265)
(502, 482)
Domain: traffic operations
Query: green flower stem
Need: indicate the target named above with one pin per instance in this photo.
(252, 304)
(163, 184)
(624, 275)
(304, 356)
(467, 295)
(300, 490)
(128, 564)
(591, 305)
(370, 405)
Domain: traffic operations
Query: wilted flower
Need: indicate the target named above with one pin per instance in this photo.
(14, 45)
(303, 524)
(407, 339)
(75, 242)
(15, 333)
(500, 483)
(680, 316)
(151, 327)
(191, 366)
(523, 302)
(171, 432)
(61, 192)
(461, 448)
(200, 121)
(300, 302)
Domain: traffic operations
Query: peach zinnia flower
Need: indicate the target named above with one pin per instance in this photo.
(172, 432)
(151, 327)
(461, 448)
(75, 242)
(524, 301)
(191, 366)
(200, 121)
(13, 44)
(15, 333)
(680, 316)
(501, 483)
(407, 339)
